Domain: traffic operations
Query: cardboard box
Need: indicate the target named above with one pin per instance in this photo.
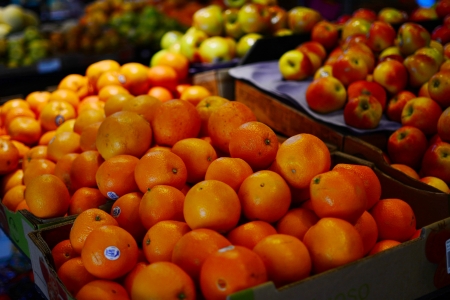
(218, 82)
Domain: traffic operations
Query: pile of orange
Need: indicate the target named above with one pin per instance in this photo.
(206, 199)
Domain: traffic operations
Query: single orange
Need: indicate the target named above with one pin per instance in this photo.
(37, 100)
(46, 137)
(116, 103)
(250, 233)
(128, 281)
(10, 157)
(163, 76)
(232, 171)
(67, 126)
(367, 228)
(10, 180)
(145, 105)
(102, 289)
(296, 222)
(85, 198)
(76, 83)
(63, 143)
(110, 78)
(55, 113)
(90, 102)
(36, 167)
(205, 108)
(22, 206)
(126, 212)
(62, 169)
(87, 118)
(39, 151)
(74, 275)
(136, 75)
(161, 93)
(111, 90)
(195, 94)
(84, 169)
(177, 61)
(13, 197)
(88, 137)
(66, 95)
(383, 245)
(62, 252)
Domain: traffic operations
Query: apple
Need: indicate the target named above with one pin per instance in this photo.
(295, 65)
(442, 8)
(342, 19)
(266, 2)
(396, 103)
(254, 18)
(447, 20)
(350, 68)
(246, 42)
(436, 161)
(325, 33)
(325, 95)
(371, 88)
(421, 14)
(393, 50)
(432, 52)
(407, 145)
(411, 37)
(217, 49)
(363, 112)
(445, 66)
(302, 19)
(366, 14)
(392, 75)
(423, 91)
(323, 71)
(437, 183)
(333, 56)
(421, 68)
(392, 15)
(381, 36)
(439, 88)
(406, 170)
(447, 51)
(363, 51)
(169, 38)
(278, 18)
(423, 113)
(190, 42)
(355, 26)
(235, 3)
(441, 34)
(283, 32)
(315, 51)
(232, 26)
(396, 57)
(209, 19)
(443, 126)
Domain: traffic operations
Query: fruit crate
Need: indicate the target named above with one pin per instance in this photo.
(404, 272)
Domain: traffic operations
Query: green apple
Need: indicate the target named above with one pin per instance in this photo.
(246, 42)
(302, 19)
(254, 18)
(232, 26)
(190, 42)
(235, 3)
(169, 38)
(209, 19)
(217, 49)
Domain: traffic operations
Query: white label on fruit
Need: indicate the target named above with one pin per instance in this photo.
(59, 119)
(116, 211)
(225, 249)
(122, 79)
(447, 248)
(112, 195)
(112, 253)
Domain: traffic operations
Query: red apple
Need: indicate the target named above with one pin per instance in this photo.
(371, 88)
(355, 26)
(437, 183)
(325, 33)
(436, 161)
(278, 18)
(342, 19)
(295, 65)
(441, 34)
(447, 51)
(436, 53)
(363, 51)
(411, 37)
(392, 15)
(392, 75)
(407, 146)
(442, 8)
(407, 170)
(302, 19)
(381, 35)
(421, 14)
(445, 66)
(420, 68)
(395, 105)
(423, 113)
(439, 88)
(443, 126)
(423, 91)
(325, 95)
(446, 20)
(366, 14)
(396, 57)
(350, 68)
(333, 56)
(363, 112)
(315, 51)
(324, 71)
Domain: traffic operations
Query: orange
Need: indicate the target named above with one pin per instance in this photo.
(197, 155)
(111, 90)
(23, 149)
(194, 247)
(39, 151)
(160, 239)
(63, 143)
(62, 169)
(136, 75)
(163, 280)
(84, 169)
(286, 258)
(160, 167)
(90, 102)
(10, 157)
(13, 197)
(76, 83)
(250, 233)
(110, 78)
(161, 202)
(300, 158)
(230, 270)
(126, 212)
(102, 289)
(85, 198)
(67, 126)
(129, 278)
(333, 242)
(407, 170)
(163, 76)
(36, 167)
(264, 196)
(254, 142)
(68, 96)
(115, 103)
(74, 275)
(10, 180)
(205, 108)
(161, 93)
(224, 120)
(47, 196)
(232, 171)
(13, 103)
(212, 204)
(124, 132)
(37, 100)
(87, 118)
(55, 113)
(383, 245)
(22, 206)
(144, 105)
(115, 176)
(194, 94)
(47, 137)
(177, 61)
(94, 70)
(367, 228)
(395, 219)
(62, 252)
(175, 120)
(296, 222)
(338, 194)
(180, 88)
(372, 184)
(16, 112)
(88, 137)
(85, 222)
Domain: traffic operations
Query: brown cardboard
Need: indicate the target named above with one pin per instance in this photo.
(218, 82)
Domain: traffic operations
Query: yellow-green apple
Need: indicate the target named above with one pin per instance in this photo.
(421, 14)
(437, 183)
(235, 3)
(190, 42)
(421, 68)
(366, 14)
(441, 34)
(392, 75)
(436, 161)
(443, 126)
(350, 68)
(392, 15)
(217, 49)
(363, 112)
(295, 65)
(365, 87)
(393, 50)
(411, 37)
(325, 95)
(266, 2)
(325, 33)
(396, 103)
(361, 50)
(323, 71)
(278, 18)
(432, 52)
(407, 145)
(381, 36)
(254, 18)
(246, 42)
(302, 19)
(231, 25)
(442, 8)
(423, 91)
(439, 88)
(355, 26)
(423, 113)
(209, 19)
(169, 38)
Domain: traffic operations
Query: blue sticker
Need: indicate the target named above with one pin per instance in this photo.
(112, 253)
(112, 195)
(59, 119)
(116, 211)
(49, 65)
